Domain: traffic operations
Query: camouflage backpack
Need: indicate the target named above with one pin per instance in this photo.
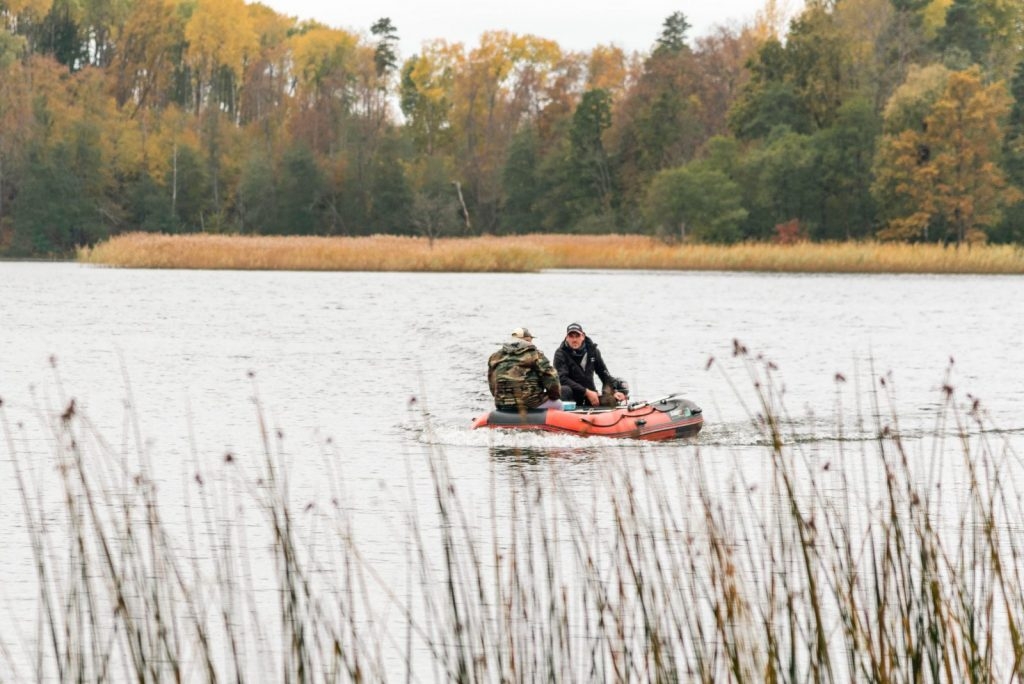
(520, 377)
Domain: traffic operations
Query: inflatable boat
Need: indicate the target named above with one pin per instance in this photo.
(670, 418)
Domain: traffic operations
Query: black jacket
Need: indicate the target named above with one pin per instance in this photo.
(580, 378)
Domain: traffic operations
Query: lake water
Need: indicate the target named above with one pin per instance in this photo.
(365, 374)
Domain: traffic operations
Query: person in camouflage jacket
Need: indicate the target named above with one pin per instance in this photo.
(521, 377)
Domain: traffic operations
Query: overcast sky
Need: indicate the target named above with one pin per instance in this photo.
(574, 24)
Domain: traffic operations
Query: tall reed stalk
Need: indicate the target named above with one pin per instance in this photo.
(855, 562)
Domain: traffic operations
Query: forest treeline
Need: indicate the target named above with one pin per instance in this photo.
(888, 119)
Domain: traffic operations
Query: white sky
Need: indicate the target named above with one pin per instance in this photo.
(574, 24)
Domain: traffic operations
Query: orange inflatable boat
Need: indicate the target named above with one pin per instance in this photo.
(670, 418)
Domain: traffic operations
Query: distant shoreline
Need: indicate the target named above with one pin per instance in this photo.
(532, 253)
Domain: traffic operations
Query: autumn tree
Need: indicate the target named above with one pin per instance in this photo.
(15, 14)
(150, 43)
(268, 79)
(495, 88)
(865, 26)
(989, 33)
(368, 139)
(220, 39)
(606, 69)
(720, 62)
(15, 120)
(902, 44)
(552, 95)
(219, 115)
(946, 172)
(818, 61)
(144, 175)
(60, 34)
(69, 170)
(427, 95)
(101, 20)
(69, 155)
(904, 148)
(326, 66)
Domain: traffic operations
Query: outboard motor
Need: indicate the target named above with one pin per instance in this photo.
(677, 405)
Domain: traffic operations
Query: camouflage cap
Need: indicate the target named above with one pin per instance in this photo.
(522, 333)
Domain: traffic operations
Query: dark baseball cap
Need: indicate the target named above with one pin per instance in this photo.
(574, 327)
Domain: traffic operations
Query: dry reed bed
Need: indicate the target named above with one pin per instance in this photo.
(536, 252)
(309, 253)
(660, 574)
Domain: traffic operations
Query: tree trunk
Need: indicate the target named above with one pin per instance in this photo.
(174, 180)
(462, 203)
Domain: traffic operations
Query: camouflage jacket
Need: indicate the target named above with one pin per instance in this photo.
(521, 377)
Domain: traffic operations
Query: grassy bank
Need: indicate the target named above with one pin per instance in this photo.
(659, 574)
(536, 252)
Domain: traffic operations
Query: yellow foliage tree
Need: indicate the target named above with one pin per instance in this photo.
(934, 17)
(143, 66)
(560, 94)
(1003, 21)
(10, 9)
(427, 93)
(498, 86)
(266, 98)
(319, 56)
(170, 130)
(15, 122)
(864, 24)
(606, 69)
(945, 172)
(966, 136)
(326, 64)
(220, 35)
(770, 21)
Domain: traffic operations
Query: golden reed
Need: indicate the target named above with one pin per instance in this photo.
(536, 252)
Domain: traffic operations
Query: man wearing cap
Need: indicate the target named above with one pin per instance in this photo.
(576, 360)
(521, 377)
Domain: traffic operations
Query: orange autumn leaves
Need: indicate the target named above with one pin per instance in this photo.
(940, 163)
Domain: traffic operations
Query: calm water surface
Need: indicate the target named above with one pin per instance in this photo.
(364, 374)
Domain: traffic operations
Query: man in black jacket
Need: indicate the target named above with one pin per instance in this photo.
(576, 360)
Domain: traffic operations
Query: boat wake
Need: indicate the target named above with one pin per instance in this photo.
(463, 436)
